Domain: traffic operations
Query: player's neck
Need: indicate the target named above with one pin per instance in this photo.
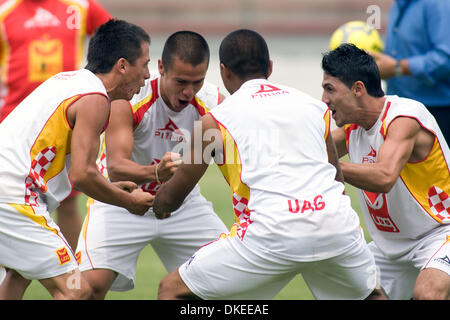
(111, 83)
(372, 108)
(239, 82)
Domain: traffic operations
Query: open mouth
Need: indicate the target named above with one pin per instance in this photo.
(333, 112)
(183, 103)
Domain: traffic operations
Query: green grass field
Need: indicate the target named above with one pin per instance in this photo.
(150, 269)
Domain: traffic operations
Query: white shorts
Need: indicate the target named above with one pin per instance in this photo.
(398, 276)
(32, 244)
(230, 269)
(112, 237)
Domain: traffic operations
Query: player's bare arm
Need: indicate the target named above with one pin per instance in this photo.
(387, 64)
(172, 194)
(84, 149)
(405, 141)
(339, 141)
(128, 186)
(119, 147)
(333, 158)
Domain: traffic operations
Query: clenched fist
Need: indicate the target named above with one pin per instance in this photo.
(167, 166)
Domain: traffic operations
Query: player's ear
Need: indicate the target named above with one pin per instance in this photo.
(160, 67)
(121, 65)
(224, 71)
(358, 88)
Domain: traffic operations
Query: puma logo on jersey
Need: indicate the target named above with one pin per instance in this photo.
(267, 90)
(170, 132)
(371, 156)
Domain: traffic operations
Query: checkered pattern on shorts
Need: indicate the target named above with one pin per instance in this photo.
(240, 206)
(35, 179)
(242, 214)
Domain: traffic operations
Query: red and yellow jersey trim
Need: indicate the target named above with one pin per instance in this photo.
(348, 128)
(384, 127)
(200, 106)
(139, 109)
(49, 150)
(420, 180)
(327, 119)
(231, 169)
(57, 133)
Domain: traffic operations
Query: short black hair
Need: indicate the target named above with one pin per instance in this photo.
(113, 40)
(349, 64)
(245, 53)
(190, 47)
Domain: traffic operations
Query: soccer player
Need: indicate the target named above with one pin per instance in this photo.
(399, 161)
(141, 143)
(38, 39)
(60, 125)
(273, 146)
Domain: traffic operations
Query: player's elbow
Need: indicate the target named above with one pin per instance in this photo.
(80, 179)
(165, 203)
(381, 181)
(386, 182)
(113, 173)
(161, 208)
(385, 188)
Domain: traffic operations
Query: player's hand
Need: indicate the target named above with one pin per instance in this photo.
(386, 64)
(168, 165)
(141, 202)
(128, 186)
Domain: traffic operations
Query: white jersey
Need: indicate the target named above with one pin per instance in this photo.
(275, 159)
(35, 141)
(418, 203)
(158, 129)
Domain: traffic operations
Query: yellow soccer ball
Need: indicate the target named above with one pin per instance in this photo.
(360, 34)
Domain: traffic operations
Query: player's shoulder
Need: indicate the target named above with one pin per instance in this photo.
(406, 106)
(149, 90)
(401, 101)
(76, 80)
(208, 95)
(307, 99)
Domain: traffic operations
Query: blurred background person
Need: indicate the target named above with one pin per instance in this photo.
(38, 39)
(416, 59)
